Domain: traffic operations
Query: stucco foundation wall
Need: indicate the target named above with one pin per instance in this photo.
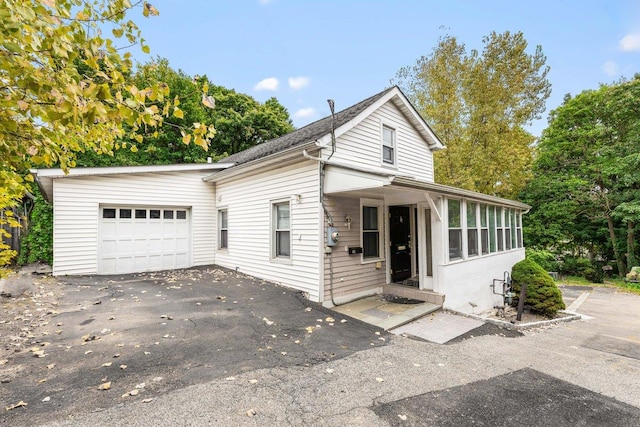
(469, 281)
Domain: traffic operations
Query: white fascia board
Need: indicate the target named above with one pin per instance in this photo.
(115, 170)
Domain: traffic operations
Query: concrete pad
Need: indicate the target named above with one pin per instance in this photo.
(384, 314)
(440, 327)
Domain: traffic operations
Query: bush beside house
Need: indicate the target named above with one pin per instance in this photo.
(543, 296)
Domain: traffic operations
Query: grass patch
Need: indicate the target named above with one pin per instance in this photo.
(610, 282)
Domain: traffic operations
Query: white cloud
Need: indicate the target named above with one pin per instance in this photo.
(630, 42)
(610, 68)
(305, 113)
(296, 83)
(264, 1)
(270, 83)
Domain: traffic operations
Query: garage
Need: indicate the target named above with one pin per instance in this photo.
(135, 239)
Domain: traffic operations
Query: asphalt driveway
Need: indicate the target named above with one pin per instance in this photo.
(82, 344)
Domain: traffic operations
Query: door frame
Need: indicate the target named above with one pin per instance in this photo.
(410, 243)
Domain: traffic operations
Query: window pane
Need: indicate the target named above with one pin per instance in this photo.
(283, 243)
(168, 214)
(223, 219)
(513, 228)
(223, 238)
(370, 244)
(154, 213)
(500, 240)
(499, 217)
(455, 244)
(369, 218)
(485, 241)
(387, 136)
(471, 214)
(492, 228)
(472, 241)
(483, 215)
(454, 213)
(108, 213)
(507, 238)
(282, 216)
(519, 237)
(387, 154)
(181, 214)
(125, 213)
(141, 213)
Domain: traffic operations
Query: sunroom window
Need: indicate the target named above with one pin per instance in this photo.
(455, 229)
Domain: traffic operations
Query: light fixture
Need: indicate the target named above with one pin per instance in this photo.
(297, 198)
(347, 221)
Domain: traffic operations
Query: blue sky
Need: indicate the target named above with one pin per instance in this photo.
(304, 52)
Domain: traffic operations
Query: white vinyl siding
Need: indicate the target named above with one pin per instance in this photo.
(77, 204)
(350, 274)
(361, 145)
(250, 200)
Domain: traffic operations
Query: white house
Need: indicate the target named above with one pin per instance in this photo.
(342, 208)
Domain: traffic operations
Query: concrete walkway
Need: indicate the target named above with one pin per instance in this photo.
(439, 327)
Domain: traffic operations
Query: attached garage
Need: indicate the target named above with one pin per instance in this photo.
(118, 220)
(133, 239)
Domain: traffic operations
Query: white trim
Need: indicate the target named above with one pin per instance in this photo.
(394, 144)
(272, 231)
(405, 106)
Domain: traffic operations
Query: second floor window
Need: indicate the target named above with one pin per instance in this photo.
(388, 145)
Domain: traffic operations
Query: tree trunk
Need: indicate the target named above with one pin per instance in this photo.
(631, 244)
(612, 235)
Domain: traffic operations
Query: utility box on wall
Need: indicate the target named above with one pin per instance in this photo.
(332, 236)
(354, 251)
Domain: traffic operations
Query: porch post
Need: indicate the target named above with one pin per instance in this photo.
(422, 246)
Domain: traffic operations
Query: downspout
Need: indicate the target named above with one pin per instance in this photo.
(327, 214)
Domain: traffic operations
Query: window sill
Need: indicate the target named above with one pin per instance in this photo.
(371, 260)
(282, 260)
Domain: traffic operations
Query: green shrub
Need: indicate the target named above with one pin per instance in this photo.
(545, 259)
(575, 266)
(37, 245)
(543, 296)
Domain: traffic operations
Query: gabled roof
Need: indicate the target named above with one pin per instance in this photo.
(344, 120)
(44, 177)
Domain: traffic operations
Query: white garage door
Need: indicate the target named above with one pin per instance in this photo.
(135, 239)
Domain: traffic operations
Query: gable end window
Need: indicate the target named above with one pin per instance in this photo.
(388, 145)
(223, 231)
(281, 233)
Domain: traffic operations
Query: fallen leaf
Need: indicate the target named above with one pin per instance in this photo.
(230, 379)
(147, 400)
(123, 367)
(106, 365)
(380, 380)
(343, 321)
(134, 392)
(253, 381)
(329, 371)
(51, 366)
(4, 361)
(402, 417)
(16, 405)
(251, 412)
(157, 379)
(46, 399)
(97, 303)
(44, 380)
(267, 321)
(105, 386)
(308, 309)
(297, 341)
(309, 329)
(88, 352)
(115, 356)
(140, 386)
(284, 353)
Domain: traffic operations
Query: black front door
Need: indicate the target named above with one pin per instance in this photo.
(400, 237)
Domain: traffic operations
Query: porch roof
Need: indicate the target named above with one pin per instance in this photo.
(344, 180)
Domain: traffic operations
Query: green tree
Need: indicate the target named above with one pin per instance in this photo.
(240, 121)
(586, 180)
(49, 108)
(479, 104)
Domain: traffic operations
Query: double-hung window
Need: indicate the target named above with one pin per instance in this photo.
(281, 234)
(371, 231)
(455, 229)
(223, 230)
(388, 145)
(519, 228)
(472, 229)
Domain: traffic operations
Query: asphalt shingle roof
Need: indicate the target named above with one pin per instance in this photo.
(308, 133)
